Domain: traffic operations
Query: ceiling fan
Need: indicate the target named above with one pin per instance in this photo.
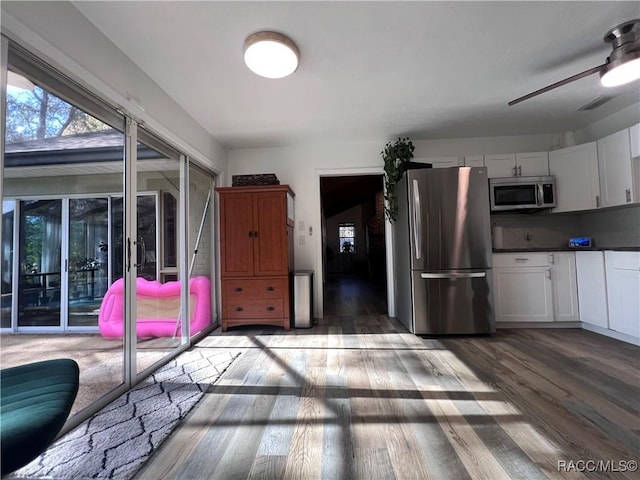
(622, 66)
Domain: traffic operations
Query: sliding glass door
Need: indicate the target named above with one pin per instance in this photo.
(95, 234)
(87, 260)
(40, 263)
(160, 305)
(63, 159)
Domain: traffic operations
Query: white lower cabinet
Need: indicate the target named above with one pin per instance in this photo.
(623, 291)
(522, 287)
(535, 287)
(564, 285)
(592, 288)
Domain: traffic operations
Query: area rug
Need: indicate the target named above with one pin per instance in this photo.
(117, 441)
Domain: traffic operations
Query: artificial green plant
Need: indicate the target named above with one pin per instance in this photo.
(395, 156)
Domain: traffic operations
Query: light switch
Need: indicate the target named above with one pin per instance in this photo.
(301, 240)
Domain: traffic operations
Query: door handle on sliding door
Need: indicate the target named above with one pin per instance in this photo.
(128, 254)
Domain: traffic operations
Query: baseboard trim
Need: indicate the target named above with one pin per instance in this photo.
(612, 334)
(538, 325)
(623, 337)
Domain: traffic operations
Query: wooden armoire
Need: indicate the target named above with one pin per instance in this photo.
(256, 255)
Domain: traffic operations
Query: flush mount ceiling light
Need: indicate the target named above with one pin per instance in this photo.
(270, 54)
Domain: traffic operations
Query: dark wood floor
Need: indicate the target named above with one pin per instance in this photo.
(356, 396)
(348, 295)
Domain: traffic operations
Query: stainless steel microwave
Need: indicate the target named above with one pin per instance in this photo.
(519, 193)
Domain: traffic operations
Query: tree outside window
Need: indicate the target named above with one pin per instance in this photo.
(347, 237)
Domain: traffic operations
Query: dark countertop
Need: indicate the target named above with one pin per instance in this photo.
(565, 249)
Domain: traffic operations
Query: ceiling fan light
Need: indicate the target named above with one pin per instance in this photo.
(621, 74)
(270, 54)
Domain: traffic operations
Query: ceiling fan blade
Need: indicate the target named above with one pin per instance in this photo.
(573, 78)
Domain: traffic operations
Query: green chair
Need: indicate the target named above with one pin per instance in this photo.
(35, 402)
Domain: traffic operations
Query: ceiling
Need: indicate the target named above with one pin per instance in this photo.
(374, 70)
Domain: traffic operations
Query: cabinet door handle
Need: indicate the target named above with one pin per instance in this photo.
(250, 234)
(549, 273)
(519, 170)
(598, 201)
(522, 259)
(239, 309)
(515, 171)
(551, 259)
(238, 289)
(628, 192)
(255, 234)
(270, 289)
(270, 309)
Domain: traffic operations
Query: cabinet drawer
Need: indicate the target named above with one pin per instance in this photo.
(254, 308)
(237, 289)
(523, 259)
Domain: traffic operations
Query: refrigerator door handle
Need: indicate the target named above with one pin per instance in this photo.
(417, 215)
(453, 275)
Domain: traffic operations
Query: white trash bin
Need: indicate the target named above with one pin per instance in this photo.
(303, 298)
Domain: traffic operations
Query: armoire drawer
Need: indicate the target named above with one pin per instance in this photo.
(236, 289)
(254, 308)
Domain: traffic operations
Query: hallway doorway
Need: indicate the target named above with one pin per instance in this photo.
(353, 245)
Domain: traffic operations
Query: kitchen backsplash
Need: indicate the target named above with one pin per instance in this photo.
(533, 230)
(610, 228)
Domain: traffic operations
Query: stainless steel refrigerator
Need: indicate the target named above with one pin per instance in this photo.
(442, 251)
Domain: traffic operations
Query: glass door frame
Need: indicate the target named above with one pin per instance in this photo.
(66, 238)
(29, 64)
(63, 326)
(17, 274)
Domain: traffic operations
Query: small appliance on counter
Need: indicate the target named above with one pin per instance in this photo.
(580, 242)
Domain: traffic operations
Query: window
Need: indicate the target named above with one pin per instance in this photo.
(347, 237)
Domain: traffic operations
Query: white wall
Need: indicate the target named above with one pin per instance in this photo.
(608, 125)
(301, 167)
(60, 35)
(482, 145)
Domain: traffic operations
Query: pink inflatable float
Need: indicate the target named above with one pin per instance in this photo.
(158, 307)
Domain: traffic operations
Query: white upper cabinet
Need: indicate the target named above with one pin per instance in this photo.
(474, 161)
(576, 172)
(501, 165)
(533, 164)
(615, 168)
(440, 162)
(634, 137)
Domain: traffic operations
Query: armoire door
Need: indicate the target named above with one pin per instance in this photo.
(270, 242)
(237, 232)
